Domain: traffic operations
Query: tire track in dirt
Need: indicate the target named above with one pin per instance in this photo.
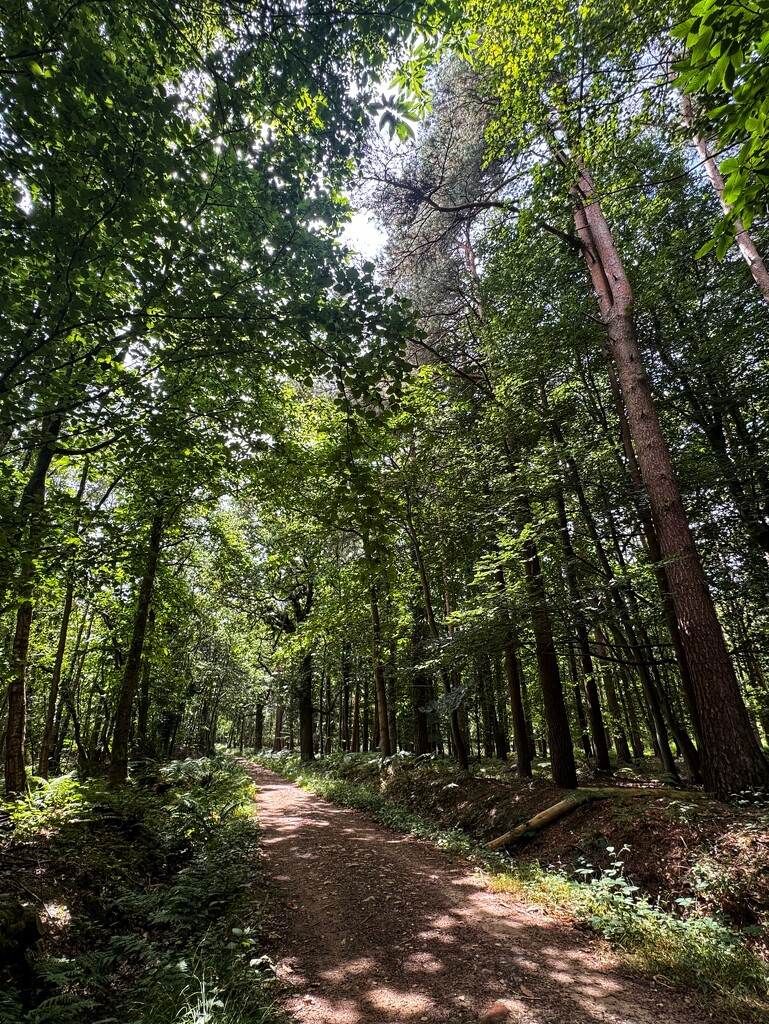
(372, 927)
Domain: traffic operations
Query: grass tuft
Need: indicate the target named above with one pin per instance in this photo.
(692, 951)
(155, 885)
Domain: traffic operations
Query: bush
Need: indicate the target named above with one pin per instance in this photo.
(159, 878)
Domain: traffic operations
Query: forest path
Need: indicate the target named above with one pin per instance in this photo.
(372, 927)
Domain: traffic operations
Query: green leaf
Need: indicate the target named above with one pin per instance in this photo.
(705, 249)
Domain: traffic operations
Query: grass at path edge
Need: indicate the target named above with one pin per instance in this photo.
(691, 952)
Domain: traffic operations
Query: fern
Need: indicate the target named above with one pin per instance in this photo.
(160, 871)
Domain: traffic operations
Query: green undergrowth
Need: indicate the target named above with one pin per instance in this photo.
(146, 898)
(686, 949)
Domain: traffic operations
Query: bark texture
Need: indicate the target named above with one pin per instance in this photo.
(742, 238)
(732, 758)
(30, 513)
(118, 770)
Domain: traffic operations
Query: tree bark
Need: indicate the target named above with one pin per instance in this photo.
(259, 725)
(379, 676)
(556, 718)
(653, 548)
(731, 756)
(392, 696)
(118, 771)
(742, 238)
(344, 717)
(277, 742)
(355, 739)
(306, 742)
(30, 512)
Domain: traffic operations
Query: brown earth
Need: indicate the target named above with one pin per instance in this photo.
(671, 846)
(371, 927)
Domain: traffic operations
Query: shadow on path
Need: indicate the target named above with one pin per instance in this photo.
(372, 927)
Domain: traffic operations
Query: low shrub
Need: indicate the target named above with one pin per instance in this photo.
(155, 888)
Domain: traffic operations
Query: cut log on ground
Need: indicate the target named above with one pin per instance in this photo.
(575, 799)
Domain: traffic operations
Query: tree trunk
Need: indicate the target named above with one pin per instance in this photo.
(486, 727)
(501, 740)
(30, 511)
(653, 547)
(355, 740)
(651, 698)
(53, 701)
(366, 726)
(329, 713)
(259, 726)
(460, 750)
(142, 720)
(523, 749)
(615, 712)
(118, 771)
(277, 742)
(379, 677)
(742, 238)
(53, 695)
(578, 705)
(344, 718)
(521, 738)
(306, 743)
(559, 736)
(392, 697)
(732, 759)
(595, 717)
(420, 684)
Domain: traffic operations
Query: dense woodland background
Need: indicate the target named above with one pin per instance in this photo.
(505, 494)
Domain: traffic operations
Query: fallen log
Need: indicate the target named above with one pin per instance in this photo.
(575, 799)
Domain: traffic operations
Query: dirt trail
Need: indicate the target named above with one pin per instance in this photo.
(371, 927)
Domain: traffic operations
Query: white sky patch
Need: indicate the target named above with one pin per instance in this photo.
(363, 235)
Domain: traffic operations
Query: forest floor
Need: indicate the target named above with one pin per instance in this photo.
(371, 927)
(138, 905)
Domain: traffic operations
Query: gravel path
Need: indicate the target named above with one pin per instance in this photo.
(371, 927)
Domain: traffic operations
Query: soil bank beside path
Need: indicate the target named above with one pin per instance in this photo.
(371, 927)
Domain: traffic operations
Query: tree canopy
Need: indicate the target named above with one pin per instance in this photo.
(502, 493)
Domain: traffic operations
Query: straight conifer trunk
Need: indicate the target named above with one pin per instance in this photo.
(731, 756)
(379, 677)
